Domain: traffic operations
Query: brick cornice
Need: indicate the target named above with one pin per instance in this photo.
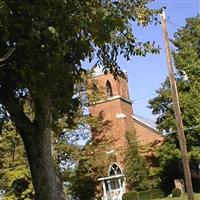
(112, 99)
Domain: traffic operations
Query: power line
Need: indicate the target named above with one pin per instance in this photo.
(187, 128)
(143, 97)
(175, 24)
(124, 145)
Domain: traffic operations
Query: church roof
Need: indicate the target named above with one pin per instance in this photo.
(146, 133)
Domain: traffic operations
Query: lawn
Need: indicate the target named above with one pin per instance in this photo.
(184, 197)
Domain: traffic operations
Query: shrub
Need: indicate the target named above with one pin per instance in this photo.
(130, 196)
(151, 194)
(144, 195)
(176, 192)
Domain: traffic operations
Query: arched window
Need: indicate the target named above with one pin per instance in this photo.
(109, 89)
(114, 169)
(115, 183)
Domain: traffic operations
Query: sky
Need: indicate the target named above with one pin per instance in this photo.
(145, 74)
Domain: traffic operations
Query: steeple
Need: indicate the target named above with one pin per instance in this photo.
(115, 107)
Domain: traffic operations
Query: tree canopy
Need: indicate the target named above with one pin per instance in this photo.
(186, 59)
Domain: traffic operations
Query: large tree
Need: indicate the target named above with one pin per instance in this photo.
(51, 39)
(68, 151)
(186, 56)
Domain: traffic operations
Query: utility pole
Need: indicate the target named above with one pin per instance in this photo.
(175, 99)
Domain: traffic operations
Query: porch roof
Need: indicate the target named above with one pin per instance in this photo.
(110, 177)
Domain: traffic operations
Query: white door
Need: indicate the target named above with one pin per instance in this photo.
(116, 189)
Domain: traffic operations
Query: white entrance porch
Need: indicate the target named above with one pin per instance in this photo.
(114, 184)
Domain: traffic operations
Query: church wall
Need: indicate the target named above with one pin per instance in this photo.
(117, 111)
(115, 127)
(145, 134)
(119, 84)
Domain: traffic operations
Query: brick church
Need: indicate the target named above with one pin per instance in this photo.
(116, 107)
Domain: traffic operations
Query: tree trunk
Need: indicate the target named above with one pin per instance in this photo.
(36, 137)
(38, 147)
(46, 183)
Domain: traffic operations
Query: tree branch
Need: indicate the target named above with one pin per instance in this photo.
(4, 58)
(16, 111)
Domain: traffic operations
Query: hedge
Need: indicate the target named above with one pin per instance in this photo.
(176, 192)
(130, 196)
(151, 194)
(144, 195)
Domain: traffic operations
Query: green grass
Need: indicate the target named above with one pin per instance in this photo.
(183, 197)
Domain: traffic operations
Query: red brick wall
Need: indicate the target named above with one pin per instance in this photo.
(115, 131)
(119, 84)
(145, 134)
(117, 127)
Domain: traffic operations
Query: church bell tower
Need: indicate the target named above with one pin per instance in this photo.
(115, 107)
